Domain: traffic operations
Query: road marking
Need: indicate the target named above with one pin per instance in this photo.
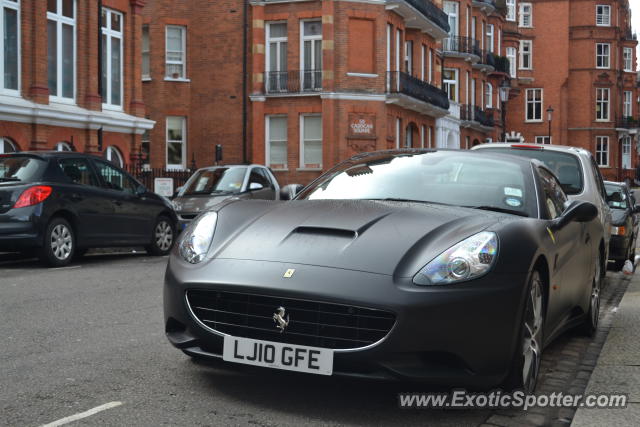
(81, 415)
(72, 267)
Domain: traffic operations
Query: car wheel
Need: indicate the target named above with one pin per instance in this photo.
(526, 364)
(593, 314)
(163, 237)
(59, 243)
(632, 249)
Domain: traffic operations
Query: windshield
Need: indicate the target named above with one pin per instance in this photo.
(616, 197)
(21, 168)
(215, 181)
(443, 177)
(565, 166)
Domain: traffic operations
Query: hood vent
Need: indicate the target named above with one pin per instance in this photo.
(326, 231)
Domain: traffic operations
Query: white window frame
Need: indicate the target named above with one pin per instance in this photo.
(544, 139)
(625, 146)
(183, 142)
(600, 151)
(146, 52)
(603, 19)
(111, 35)
(430, 65)
(526, 50)
(512, 56)
(490, 37)
(398, 128)
(511, 10)
(311, 38)
(303, 166)
(408, 57)
(488, 94)
(452, 9)
(167, 62)
(532, 104)
(422, 135)
(4, 4)
(602, 102)
(60, 20)
(267, 64)
(627, 59)
(603, 55)
(456, 84)
(627, 104)
(268, 140)
(8, 141)
(423, 49)
(112, 152)
(526, 15)
(63, 146)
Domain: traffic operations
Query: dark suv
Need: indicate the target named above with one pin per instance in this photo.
(59, 204)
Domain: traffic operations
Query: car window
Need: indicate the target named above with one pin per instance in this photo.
(216, 180)
(617, 197)
(555, 199)
(258, 175)
(115, 179)
(78, 171)
(21, 168)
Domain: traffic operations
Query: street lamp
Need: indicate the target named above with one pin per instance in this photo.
(505, 87)
(549, 117)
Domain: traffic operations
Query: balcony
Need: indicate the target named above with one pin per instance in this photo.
(476, 118)
(487, 6)
(627, 123)
(487, 62)
(462, 47)
(293, 81)
(502, 64)
(409, 92)
(423, 15)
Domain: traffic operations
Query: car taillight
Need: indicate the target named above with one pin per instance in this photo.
(618, 231)
(32, 196)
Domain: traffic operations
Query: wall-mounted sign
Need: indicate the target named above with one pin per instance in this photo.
(362, 126)
(163, 186)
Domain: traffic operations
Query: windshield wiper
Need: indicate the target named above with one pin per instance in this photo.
(10, 178)
(498, 209)
(393, 199)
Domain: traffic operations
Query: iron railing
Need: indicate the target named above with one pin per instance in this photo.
(431, 12)
(487, 58)
(147, 175)
(628, 123)
(502, 64)
(473, 113)
(293, 81)
(462, 45)
(399, 82)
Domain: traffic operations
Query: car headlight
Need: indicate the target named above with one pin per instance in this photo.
(469, 259)
(618, 231)
(197, 238)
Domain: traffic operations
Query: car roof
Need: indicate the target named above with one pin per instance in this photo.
(549, 147)
(231, 166)
(46, 154)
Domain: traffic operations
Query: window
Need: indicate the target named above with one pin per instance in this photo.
(603, 15)
(115, 179)
(7, 146)
(555, 198)
(602, 55)
(627, 59)
(526, 15)
(311, 141)
(259, 176)
(543, 140)
(602, 104)
(626, 152)
(512, 54)
(176, 52)
(430, 65)
(490, 30)
(526, 53)
(451, 9)
(176, 142)
(276, 142)
(422, 135)
(61, 50)
(602, 151)
(63, 146)
(511, 10)
(311, 55)
(145, 148)
(627, 105)
(276, 60)
(408, 57)
(111, 58)
(534, 105)
(146, 53)
(10, 45)
(423, 49)
(398, 127)
(78, 171)
(450, 81)
(114, 156)
(488, 95)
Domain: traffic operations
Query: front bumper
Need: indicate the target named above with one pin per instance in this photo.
(459, 335)
(619, 247)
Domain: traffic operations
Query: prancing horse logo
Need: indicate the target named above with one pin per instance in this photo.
(278, 318)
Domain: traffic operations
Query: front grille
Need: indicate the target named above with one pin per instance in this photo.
(311, 323)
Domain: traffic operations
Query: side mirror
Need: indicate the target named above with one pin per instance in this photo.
(290, 191)
(576, 212)
(255, 186)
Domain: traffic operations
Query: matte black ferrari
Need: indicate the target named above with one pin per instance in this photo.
(454, 268)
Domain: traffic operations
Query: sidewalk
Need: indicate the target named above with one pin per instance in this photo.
(618, 367)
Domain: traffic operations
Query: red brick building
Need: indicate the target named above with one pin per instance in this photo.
(577, 57)
(71, 77)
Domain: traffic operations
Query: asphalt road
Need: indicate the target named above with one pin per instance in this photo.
(79, 337)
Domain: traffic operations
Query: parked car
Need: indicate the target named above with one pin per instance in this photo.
(578, 174)
(59, 204)
(451, 267)
(212, 185)
(624, 230)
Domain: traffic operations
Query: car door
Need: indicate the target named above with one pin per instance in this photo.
(82, 194)
(260, 185)
(572, 263)
(130, 217)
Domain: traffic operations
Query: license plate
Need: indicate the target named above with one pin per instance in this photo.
(312, 360)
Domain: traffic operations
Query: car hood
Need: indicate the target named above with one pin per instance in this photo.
(394, 238)
(195, 204)
(618, 216)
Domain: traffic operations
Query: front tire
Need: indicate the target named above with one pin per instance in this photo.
(162, 238)
(59, 243)
(526, 362)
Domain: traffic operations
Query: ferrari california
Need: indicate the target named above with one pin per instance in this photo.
(449, 267)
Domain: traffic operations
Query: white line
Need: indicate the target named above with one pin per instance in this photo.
(80, 415)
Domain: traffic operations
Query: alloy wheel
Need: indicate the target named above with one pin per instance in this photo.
(532, 337)
(595, 296)
(164, 235)
(61, 242)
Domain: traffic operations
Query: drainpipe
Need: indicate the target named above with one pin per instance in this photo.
(245, 36)
(100, 47)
